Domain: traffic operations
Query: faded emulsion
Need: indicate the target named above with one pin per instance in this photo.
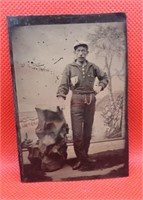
(70, 91)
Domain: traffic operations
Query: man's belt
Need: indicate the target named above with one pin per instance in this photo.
(83, 92)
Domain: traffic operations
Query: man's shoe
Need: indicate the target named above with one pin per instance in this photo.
(77, 165)
(91, 160)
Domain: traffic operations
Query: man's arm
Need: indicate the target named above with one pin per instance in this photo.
(63, 88)
(102, 76)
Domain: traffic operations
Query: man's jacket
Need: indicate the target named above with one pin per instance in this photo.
(81, 79)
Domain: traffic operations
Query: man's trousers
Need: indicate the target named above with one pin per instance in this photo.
(82, 116)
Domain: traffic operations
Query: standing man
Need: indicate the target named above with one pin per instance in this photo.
(79, 77)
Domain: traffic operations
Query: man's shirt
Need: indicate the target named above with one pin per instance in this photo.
(80, 78)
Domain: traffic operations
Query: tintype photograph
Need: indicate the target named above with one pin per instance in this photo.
(70, 92)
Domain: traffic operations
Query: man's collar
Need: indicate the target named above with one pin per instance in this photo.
(76, 63)
(81, 64)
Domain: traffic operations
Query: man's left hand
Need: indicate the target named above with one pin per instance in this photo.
(97, 89)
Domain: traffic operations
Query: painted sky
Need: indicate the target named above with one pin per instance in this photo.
(41, 53)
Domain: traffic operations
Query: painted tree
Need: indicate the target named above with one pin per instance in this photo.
(108, 42)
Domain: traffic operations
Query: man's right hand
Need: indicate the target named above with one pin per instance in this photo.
(61, 103)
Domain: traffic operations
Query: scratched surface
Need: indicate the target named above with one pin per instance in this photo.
(40, 54)
(120, 188)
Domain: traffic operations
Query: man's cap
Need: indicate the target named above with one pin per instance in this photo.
(81, 43)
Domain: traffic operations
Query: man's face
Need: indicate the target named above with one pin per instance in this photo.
(81, 53)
